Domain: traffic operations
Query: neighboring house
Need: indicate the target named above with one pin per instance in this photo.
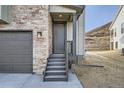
(36, 39)
(98, 38)
(117, 30)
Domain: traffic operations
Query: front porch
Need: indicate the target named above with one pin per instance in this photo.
(67, 35)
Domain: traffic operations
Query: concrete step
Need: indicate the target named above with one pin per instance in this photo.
(55, 67)
(56, 63)
(55, 78)
(57, 56)
(55, 72)
(56, 59)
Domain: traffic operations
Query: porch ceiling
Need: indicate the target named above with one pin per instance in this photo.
(61, 17)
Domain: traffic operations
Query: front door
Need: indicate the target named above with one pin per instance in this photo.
(58, 38)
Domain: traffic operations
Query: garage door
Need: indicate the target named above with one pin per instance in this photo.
(15, 51)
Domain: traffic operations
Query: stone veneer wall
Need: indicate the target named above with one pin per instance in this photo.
(35, 18)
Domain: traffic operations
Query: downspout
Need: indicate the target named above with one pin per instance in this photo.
(74, 37)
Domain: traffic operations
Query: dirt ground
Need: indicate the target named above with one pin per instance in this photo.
(110, 74)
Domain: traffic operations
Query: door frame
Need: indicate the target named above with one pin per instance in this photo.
(65, 33)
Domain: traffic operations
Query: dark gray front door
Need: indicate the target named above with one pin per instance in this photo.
(15, 51)
(59, 38)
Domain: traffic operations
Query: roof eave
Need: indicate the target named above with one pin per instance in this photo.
(78, 8)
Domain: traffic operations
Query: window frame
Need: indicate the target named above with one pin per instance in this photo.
(112, 33)
(115, 32)
(116, 44)
(122, 28)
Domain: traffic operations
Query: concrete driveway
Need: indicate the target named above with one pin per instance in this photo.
(35, 81)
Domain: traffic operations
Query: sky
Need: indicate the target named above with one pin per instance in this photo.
(97, 15)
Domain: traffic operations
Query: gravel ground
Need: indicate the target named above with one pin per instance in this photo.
(111, 75)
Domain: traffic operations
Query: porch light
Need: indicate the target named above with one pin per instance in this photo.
(60, 15)
(39, 35)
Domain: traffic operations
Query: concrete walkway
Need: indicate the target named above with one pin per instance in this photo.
(35, 81)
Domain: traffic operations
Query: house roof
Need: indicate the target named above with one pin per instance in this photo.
(118, 12)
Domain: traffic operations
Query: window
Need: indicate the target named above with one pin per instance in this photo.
(5, 13)
(112, 33)
(122, 28)
(116, 45)
(115, 32)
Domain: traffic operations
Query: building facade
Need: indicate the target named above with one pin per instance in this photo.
(27, 35)
(117, 31)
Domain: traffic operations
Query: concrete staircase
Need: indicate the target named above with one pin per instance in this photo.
(56, 68)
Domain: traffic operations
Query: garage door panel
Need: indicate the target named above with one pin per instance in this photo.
(5, 68)
(15, 36)
(26, 68)
(16, 64)
(15, 52)
(15, 43)
(15, 56)
(14, 60)
(14, 48)
(15, 68)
